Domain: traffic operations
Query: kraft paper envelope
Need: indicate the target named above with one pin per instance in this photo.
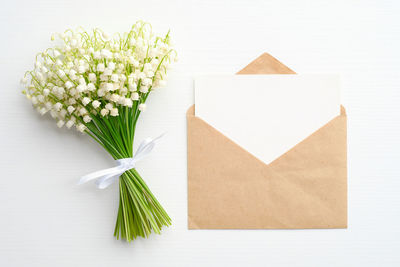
(229, 188)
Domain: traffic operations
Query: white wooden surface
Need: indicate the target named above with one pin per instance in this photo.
(46, 220)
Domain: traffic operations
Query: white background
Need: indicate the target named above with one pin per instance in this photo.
(46, 220)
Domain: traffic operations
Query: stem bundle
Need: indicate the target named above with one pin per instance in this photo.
(139, 212)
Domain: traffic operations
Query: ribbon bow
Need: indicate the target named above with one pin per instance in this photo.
(108, 176)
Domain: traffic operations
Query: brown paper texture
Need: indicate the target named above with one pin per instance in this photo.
(228, 188)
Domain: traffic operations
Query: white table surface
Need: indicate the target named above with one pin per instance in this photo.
(46, 220)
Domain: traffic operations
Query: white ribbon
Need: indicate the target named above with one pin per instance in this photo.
(108, 176)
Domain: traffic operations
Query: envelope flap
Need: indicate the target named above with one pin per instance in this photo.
(266, 64)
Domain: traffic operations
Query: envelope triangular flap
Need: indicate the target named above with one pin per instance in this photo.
(228, 188)
(266, 64)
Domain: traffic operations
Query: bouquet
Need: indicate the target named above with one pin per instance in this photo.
(99, 85)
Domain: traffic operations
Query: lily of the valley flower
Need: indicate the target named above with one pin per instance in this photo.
(94, 68)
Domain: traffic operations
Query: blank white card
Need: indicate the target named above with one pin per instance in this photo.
(267, 115)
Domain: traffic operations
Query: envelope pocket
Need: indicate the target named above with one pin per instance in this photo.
(228, 188)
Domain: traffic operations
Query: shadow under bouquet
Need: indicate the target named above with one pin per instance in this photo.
(99, 85)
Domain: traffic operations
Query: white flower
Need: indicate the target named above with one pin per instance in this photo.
(74, 43)
(147, 66)
(69, 123)
(114, 98)
(103, 78)
(144, 89)
(72, 75)
(46, 92)
(81, 88)
(100, 67)
(105, 36)
(87, 118)
(132, 87)
(121, 101)
(153, 52)
(68, 84)
(104, 112)
(81, 127)
(40, 76)
(24, 81)
(114, 112)
(150, 74)
(56, 53)
(135, 63)
(109, 87)
(111, 65)
(128, 102)
(146, 82)
(81, 69)
(60, 123)
(92, 77)
(42, 111)
(85, 101)
(96, 104)
(57, 106)
(82, 111)
(91, 87)
(62, 113)
(105, 53)
(135, 96)
(114, 77)
(70, 109)
(34, 100)
(123, 91)
(107, 72)
(109, 106)
(53, 114)
(48, 105)
(142, 107)
(116, 86)
(155, 62)
(61, 73)
(96, 55)
(101, 92)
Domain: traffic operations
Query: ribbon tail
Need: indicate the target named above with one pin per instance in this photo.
(146, 147)
(106, 181)
(99, 174)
